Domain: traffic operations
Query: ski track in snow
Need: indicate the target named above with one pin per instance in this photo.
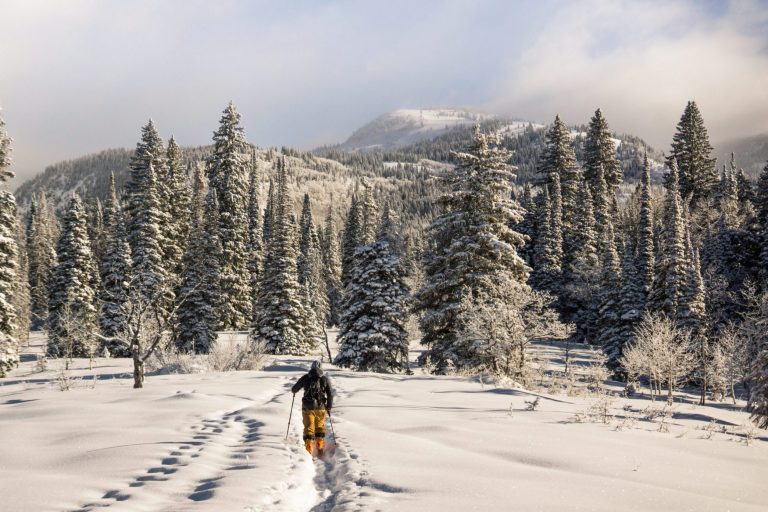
(216, 442)
(219, 445)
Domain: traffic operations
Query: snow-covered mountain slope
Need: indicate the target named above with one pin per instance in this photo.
(404, 127)
(217, 442)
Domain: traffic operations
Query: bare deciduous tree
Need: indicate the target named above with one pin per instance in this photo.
(661, 353)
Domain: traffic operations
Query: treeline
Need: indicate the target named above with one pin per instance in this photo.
(189, 250)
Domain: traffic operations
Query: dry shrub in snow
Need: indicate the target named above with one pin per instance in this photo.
(224, 356)
(500, 331)
(661, 353)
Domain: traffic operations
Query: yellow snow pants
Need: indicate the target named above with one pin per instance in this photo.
(314, 423)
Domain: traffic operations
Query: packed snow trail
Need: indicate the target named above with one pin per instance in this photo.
(216, 442)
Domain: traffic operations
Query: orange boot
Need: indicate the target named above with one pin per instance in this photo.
(320, 446)
(309, 445)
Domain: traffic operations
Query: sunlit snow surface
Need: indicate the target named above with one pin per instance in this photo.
(216, 442)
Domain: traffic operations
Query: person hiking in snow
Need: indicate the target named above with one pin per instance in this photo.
(318, 398)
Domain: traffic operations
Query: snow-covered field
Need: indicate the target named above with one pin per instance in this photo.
(216, 442)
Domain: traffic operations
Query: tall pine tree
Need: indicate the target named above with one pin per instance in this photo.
(228, 175)
(282, 321)
(200, 293)
(9, 346)
(372, 329)
(474, 250)
(600, 153)
(115, 279)
(691, 151)
(72, 317)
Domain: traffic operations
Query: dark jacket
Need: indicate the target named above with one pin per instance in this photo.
(317, 390)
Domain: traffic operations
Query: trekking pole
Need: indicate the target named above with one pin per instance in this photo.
(330, 419)
(289, 417)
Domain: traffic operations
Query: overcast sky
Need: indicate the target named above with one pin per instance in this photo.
(78, 76)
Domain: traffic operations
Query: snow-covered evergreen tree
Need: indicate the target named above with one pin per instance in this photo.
(630, 303)
(72, 318)
(311, 268)
(177, 208)
(351, 239)
(646, 259)
(42, 235)
(559, 159)
(691, 151)
(671, 264)
(115, 278)
(21, 296)
(282, 320)
(145, 220)
(474, 250)
(600, 153)
(255, 235)
(332, 262)
(9, 343)
(583, 270)
(372, 329)
(548, 257)
(199, 295)
(228, 175)
(369, 216)
(528, 226)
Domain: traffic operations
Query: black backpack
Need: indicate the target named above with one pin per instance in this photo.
(315, 390)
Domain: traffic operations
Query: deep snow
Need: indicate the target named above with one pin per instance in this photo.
(215, 442)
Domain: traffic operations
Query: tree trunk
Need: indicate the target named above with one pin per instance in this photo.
(670, 388)
(327, 344)
(138, 370)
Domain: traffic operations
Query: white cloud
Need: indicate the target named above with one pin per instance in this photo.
(641, 62)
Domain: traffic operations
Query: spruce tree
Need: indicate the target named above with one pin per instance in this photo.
(547, 269)
(9, 342)
(255, 235)
(600, 153)
(528, 226)
(42, 235)
(646, 260)
(72, 317)
(369, 216)
(352, 235)
(197, 310)
(474, 250)
(115, 279)
(228, 175)
(372, 329)
(21, 295)
(559, 159)
(311, 267)
(145, 220)
(282, 321)
(583, 270)
(332, 261)
(620, 332)
(177, 208)
(671, 265)
(692, 312)
(691, 151)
